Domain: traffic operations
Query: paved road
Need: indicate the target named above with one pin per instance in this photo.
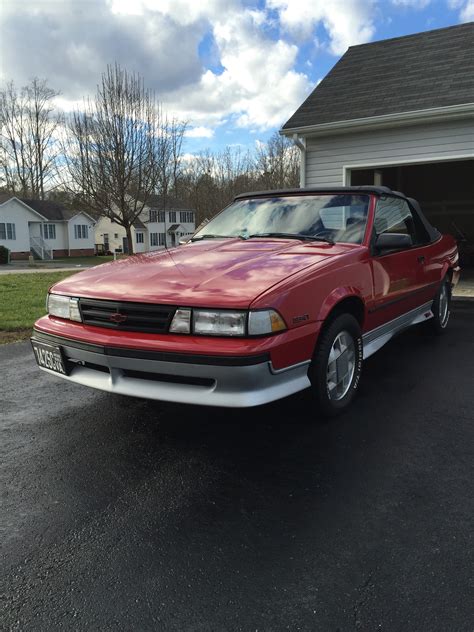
(121, 514)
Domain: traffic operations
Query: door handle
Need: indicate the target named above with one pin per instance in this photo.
(421, 259)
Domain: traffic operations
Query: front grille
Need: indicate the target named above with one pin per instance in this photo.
(153, 319)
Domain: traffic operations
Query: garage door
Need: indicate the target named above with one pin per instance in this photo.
(445, 191)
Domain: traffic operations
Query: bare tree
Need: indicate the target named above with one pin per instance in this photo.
(170, 156)
(29, 149)
(211, 180)
(118, 149)
(277, 163)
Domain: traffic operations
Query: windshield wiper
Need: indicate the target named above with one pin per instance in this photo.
(211, 236)
(293, 236)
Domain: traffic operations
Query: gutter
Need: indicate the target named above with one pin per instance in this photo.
(430, 115)
(301, 144)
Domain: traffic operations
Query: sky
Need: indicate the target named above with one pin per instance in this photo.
(235, 70)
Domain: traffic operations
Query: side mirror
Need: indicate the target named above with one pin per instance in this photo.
(392, 241)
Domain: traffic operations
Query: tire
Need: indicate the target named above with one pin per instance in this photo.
(332, 393)
(441, 308)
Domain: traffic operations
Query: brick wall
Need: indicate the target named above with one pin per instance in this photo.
(16, 256)
(82, 252)
(77, 252)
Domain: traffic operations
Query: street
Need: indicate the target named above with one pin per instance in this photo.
(125, 514)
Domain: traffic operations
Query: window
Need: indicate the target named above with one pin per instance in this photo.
(80, 231)
(186, 217)
(115, 235)
(153, 215)
(339, 218)
(139, 238)
(7, 231)
(172, 216)
(11, 232)
(157, 239)
(393, 215)
(48, 231)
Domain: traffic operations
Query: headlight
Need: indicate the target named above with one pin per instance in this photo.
(219, 323)
(64, 307)
(206, 322)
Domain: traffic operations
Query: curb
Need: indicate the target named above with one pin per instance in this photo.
(459, 300)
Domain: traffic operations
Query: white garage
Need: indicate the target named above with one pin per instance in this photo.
(400, 113)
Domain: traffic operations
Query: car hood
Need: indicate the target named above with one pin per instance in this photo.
(225, 273)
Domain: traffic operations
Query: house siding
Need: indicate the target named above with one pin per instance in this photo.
(15, 212)
(106, 226)
(326, 156)
(61, 240)
(79, 247)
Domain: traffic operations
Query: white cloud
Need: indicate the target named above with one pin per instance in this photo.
(199, 132)
(466, 7)
(414, 4)
(188, 158)
(258, 86)
(347, 22)
(71, 44)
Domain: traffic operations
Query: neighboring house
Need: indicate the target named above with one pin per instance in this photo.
(160, 225)
(113, 237)
(399, 113)
(44, 229)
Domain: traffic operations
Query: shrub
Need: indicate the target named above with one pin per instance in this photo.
(3, 254)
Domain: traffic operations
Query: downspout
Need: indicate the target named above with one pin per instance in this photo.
(301, 144)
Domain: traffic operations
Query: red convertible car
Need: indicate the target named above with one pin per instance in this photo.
(281, 291)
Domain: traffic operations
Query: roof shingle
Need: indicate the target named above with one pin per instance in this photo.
(416, 72)
(49, 209)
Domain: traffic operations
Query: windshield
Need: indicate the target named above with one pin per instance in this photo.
(332, 218)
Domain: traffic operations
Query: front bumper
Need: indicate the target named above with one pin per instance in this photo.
(207, 380)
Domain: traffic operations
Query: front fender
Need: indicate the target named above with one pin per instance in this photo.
(336, 297)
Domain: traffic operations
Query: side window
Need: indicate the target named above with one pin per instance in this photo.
(393, 215)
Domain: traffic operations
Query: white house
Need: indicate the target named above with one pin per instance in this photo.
(113, 237)
(160, 225)
(44, 229)
(400, 113)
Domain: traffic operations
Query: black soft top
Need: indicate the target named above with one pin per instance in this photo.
(381, 191)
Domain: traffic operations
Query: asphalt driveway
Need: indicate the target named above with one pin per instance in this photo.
(122, 514)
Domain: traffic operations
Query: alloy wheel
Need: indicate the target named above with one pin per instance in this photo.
(341, 366)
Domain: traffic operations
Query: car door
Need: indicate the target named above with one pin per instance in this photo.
(397, 275)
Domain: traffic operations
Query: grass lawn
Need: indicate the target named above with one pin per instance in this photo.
(22, 301)
(87, 261)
